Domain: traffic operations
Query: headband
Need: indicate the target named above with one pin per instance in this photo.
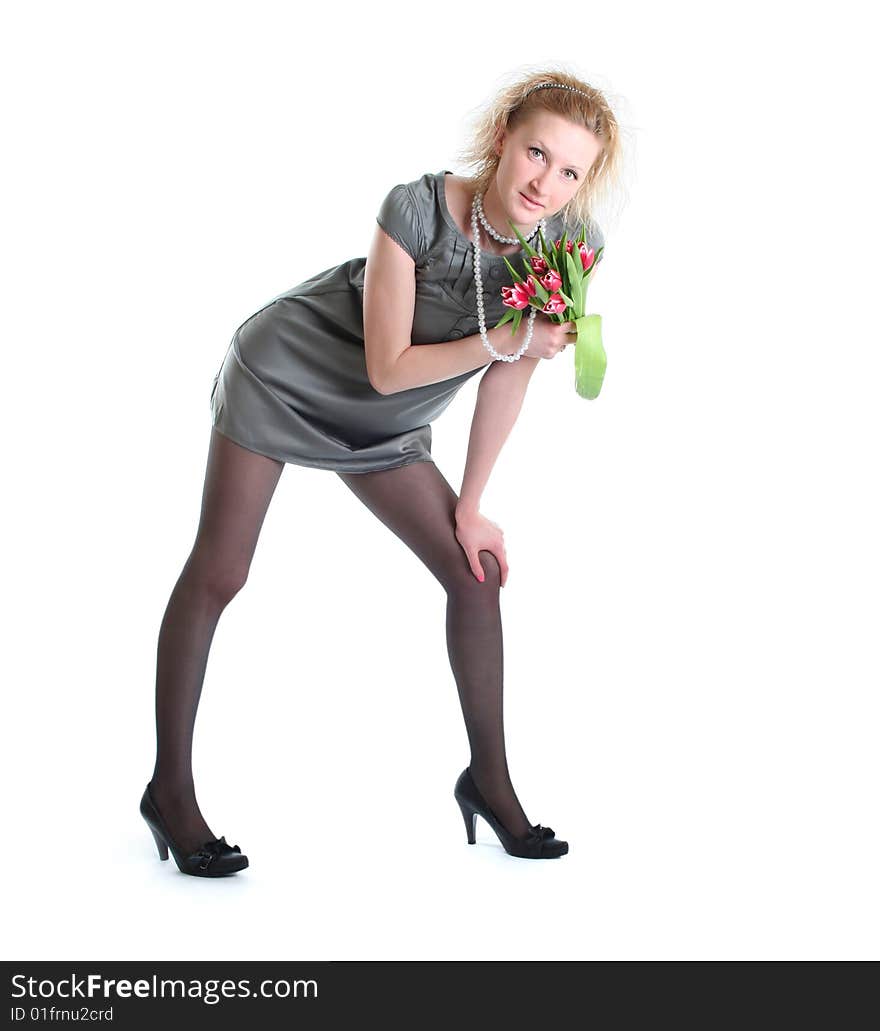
(558, 85)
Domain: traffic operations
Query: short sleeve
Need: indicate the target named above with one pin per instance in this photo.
(596, 239)
(399, 218)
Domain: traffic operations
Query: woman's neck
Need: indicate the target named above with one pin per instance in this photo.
(459, 200)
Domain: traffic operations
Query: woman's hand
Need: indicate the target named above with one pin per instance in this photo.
(476, 533)
(549, 338)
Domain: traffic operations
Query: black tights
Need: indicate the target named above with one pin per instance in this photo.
(417, 504)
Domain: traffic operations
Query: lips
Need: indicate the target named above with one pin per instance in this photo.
(529, 201)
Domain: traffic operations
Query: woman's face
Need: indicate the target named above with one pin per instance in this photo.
(545, 158)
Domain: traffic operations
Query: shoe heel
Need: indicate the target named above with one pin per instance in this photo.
(160, 844)
(470, 822)
(215, 858)
(539, 843)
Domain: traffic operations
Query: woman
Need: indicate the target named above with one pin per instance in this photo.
(332, 374)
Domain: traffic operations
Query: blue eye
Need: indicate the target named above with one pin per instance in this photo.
(573, 173)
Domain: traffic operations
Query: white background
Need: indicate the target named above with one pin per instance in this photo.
(691, 617)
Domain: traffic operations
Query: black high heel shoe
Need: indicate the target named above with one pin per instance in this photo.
(539, 843)
(214, 859)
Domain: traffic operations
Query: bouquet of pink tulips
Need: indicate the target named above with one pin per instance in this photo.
(556, 283)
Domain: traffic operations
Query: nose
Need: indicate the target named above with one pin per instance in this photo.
(536, 186)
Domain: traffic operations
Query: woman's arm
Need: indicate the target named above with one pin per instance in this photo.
(499, 400)
(393, 362)
(420, 364)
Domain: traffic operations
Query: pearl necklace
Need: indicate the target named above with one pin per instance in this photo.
(477, 210)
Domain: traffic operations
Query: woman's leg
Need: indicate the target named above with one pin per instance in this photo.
(417, 504)
(239, 485)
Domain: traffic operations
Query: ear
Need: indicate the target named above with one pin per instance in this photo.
(498, 145)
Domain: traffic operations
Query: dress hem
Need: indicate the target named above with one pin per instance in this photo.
(315, 463)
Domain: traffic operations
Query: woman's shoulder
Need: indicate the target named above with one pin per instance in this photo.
(422, 191)
(411, 216)
(424, 194)
(425, 185)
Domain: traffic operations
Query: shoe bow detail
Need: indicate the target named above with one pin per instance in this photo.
(538, 835)
(211, 849)
(541, 833)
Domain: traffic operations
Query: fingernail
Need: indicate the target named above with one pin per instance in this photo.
(481, 578)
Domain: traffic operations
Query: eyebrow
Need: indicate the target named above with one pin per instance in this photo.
(544, 147)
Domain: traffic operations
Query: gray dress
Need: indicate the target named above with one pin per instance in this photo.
(293, 384)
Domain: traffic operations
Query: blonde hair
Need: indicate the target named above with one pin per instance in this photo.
(519, 100)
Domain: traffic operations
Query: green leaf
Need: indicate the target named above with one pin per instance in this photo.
(517, 278)
(576, 284)
(541, 291)
(546, 248)
(527, 247)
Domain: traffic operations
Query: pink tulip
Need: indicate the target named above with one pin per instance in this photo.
(551, 281)
(514, 296)
(554, 305)
(587, 255)
(517, 296)
(539, 264)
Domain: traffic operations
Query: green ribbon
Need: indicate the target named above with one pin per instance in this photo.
(589, 356)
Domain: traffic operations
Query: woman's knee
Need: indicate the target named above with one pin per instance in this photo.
(219, 576)
(465, 580)
(491, 567)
